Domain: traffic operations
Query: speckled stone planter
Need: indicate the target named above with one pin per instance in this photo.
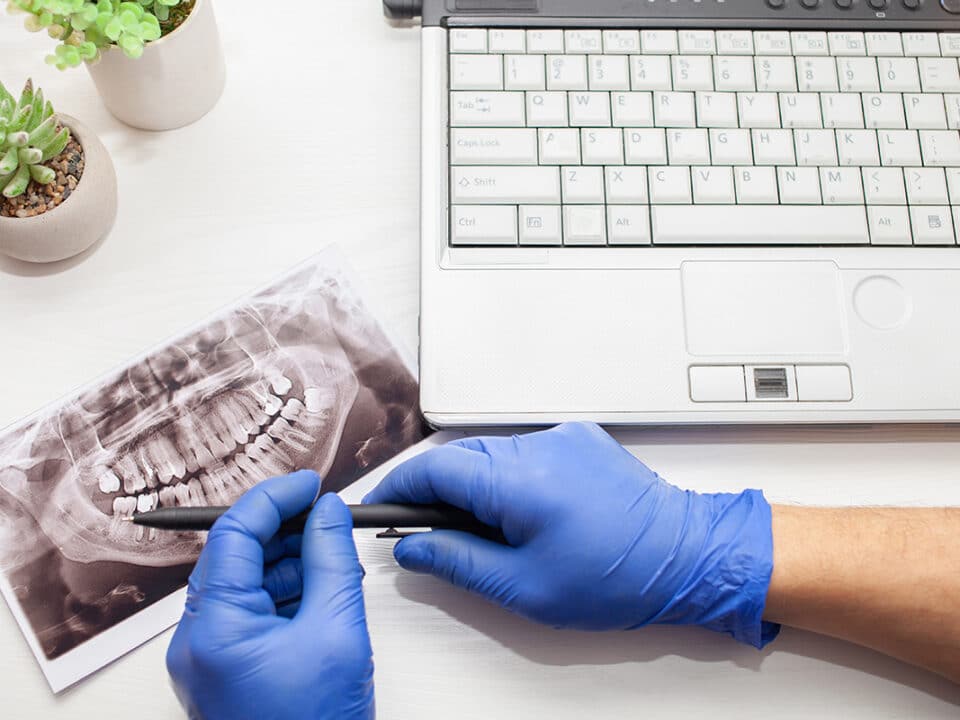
(177, 81)
(79, 221)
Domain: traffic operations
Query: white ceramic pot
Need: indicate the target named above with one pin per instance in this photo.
(79, 221)
(177, 81)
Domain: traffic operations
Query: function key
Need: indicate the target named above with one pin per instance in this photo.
(621, 41)
(544, 41)
(584, 41)
(697, 42)
(507, 41)
(884, 44)
(772, 42)
(921, 44)
(809, 43)
(734, 42)
(659, 42)
(847, 43)
(463, 40)
(950, 44)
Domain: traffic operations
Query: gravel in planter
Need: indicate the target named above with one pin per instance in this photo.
(39, 199)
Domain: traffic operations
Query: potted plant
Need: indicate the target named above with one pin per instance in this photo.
(158, 64)
(58, 188)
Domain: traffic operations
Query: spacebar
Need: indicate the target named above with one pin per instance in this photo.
(759, 225)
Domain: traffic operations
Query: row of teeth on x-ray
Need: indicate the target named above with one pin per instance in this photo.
(246, 438)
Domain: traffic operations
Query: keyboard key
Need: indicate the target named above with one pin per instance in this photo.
(583, 41)
(540, 225)
(674, 109)
(468, 41)
(507, 41)
(745, 225)
(713, 185)
(628, 224)
(609, 72)
(926, 186)
(733, 73)
(756, 185)
(621, 41)
(776, 73)
(773, 147)
(898, 74)
(799, 185)
(883, 110)
(899, 147)
(841, 110)
(692, 73)
(952, 101)
(939, 75)
(953, 185)
(718, 110)
(950, 44)
(650, 72)
(921, 44)
(841, 186)
(884, 43)
(889, 225)
(932, 225)
(476, 72)
(524, 72)
(584, 225)
(735, 42)
(731, 147)
(925, 111)
(566, 72)
(697, 42)
(758, 110)
(858, 147)
(846, 43)
(858, 74)
(647, 146)
(626, 185)
(484, 225)
(669, 184)
(583, 185)
(817, 74)
(505, 185)
(493, 147)
(632, 109)
(688, 147)
(589, 109)
(486, 109)
(940, 147)
(815, 147)
(602, 146)
(658, 42)
(771, 43)
(800, 110)
(560, 146)
(544, 41)
(809, 43)
(546, 109)
(884, 186)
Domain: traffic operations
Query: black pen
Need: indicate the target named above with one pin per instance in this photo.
(364, 516)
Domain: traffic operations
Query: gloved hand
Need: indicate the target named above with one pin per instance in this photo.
(597, 540)
(275, 629)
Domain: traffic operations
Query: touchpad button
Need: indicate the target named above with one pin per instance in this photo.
(763, 308)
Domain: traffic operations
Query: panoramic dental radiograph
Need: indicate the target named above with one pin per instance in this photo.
(297, 376)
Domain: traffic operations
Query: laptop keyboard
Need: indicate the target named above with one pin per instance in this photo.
(695, 137)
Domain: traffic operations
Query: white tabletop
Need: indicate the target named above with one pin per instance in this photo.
(196, 229)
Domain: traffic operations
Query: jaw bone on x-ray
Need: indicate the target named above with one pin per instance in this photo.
(297, 376)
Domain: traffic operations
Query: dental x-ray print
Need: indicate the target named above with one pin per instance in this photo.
(299, 375)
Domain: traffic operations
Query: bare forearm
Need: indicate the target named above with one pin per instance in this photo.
(886, 578)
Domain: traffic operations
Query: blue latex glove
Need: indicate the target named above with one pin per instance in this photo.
(598, 541)
(275, 628)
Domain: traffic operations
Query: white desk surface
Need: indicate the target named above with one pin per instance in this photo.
(195, 231)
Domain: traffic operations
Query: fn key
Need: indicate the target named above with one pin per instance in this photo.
(483, 225)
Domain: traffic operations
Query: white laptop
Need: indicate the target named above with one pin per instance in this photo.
(689, 211)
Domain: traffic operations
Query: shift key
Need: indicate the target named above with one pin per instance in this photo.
(505, 185)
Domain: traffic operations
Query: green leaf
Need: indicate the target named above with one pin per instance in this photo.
(36, 117)
(20, 118)
(10, 162)
(26, 97)
(18, 185)
(44, 132)
(18, 139)
(5, 96)
(56, 145)
(30, 156)
(42, 174)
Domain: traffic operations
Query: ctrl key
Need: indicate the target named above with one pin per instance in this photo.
(483, 225)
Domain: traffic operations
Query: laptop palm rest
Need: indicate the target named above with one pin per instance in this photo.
(763, 308)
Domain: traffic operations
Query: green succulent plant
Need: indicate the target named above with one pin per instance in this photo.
(85, 27)
(29, 136)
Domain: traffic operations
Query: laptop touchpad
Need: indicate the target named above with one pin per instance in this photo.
(763, 308)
